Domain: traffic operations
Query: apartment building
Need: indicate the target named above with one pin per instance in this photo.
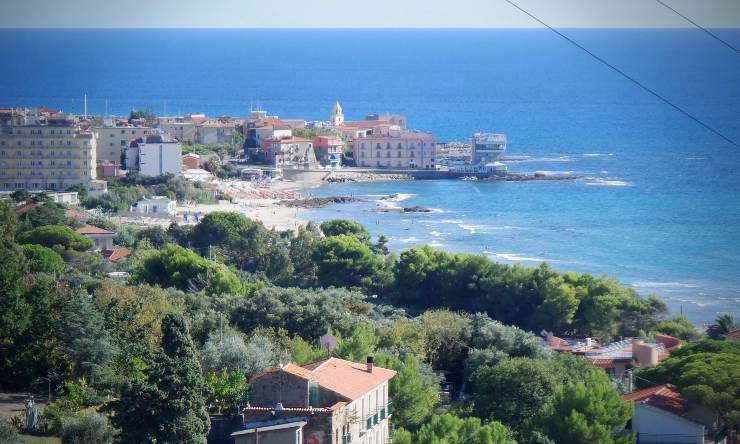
(154, 155)
(113, 140)
(41, 149)
(397, 149)
(290, 152)
(328, 402)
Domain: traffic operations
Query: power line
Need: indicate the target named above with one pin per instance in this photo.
(713, 35)
(627, 76)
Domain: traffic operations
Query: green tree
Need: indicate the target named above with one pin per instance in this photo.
(587, 412)
(47, 213)
(360, 344)
(450, 429)
(178, 267)
(226, 391)
(343, 226)
(169, 405)
(156, 236)
(42, 259)
(21, 195)
(721, 326)
(53, 235)
(679, 327)
(302, 246)
(344, 260)
(513, 390)
(414, 394)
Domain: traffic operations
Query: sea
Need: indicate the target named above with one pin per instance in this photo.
(658, 206)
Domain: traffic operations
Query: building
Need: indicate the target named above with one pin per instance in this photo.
(116, 255)
(487, 147)
(406, 149)
(44, 150)
(662, 415)
(394, 119)
(734, 335)
(154, 155)
(103, 238)
(327, 402)
(190, 161)
(181, 128)
(113, 140)
(159, 205)
(294, 152)
(328, 149)
(337, 116)
(617, 357)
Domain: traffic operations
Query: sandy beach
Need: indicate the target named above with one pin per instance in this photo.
(267, 211)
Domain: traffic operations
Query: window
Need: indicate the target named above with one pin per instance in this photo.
(111, 135)
(388, 145)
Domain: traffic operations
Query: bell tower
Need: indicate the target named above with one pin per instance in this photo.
(337, 117)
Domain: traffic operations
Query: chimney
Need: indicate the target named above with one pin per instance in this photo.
(369, 364)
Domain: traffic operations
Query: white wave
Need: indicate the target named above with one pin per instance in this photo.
(553, 172)
(695, 158)
(408, 240)
(436, 244)
(471, 227)
(609, 183)
(515, 257)
(663, 285)
(549, 159)
(598, 154)
(446, 221)
(435, 233)
(397, 197)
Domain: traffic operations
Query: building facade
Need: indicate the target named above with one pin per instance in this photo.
(113, 140)
(339, 401)
(487, 147)
(293, 152)
(154, 155)
(407, 149)
(44, 150)
(328, 150)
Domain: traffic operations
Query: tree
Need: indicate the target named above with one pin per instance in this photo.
(46, 213)
(169, 405)
(359, 345)
(679, 327)
(414, 394)
(178, 267)
(302, 246)
(450, 429)
(21, 195)
(90, 429)
(513, 390)
(156, 236)
(344, 260)
(586, 412)
(53, 235)
(722, 325)
(42, 259)
(226, 391)
(347, 227)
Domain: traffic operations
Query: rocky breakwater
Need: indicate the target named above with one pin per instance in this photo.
(319, 202)
(365, 176)
(521, 177)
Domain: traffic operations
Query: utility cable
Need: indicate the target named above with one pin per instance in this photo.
(711, 34)
(627, 76)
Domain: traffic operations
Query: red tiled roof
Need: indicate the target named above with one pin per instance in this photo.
(663, 397)
(365, 123)
(71, 213)
(26, 207)
(734, 334)
(669, 342)
(90, 229)
(346, 378)
(116, 254)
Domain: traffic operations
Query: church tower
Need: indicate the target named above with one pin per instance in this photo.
(337, 117)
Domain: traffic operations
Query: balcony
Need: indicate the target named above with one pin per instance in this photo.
(346, 438)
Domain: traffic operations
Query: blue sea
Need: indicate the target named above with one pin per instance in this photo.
(659, 209)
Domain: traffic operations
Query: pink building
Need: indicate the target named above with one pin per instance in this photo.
(406, 149)
(328, 149)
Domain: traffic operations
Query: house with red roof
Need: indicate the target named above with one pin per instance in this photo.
(102, 238)
(330, 401)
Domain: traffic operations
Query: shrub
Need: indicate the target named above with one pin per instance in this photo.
(90, 429)
(42, 259)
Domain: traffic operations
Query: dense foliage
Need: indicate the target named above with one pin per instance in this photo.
(211, 305)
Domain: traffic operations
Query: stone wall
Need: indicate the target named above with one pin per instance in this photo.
(279, 386)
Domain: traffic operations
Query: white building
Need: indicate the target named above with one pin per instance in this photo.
(154, 155)
(487, 147)
(41, 149)
(337, 116)
(160, 205)
(404, 149)
(663, 416)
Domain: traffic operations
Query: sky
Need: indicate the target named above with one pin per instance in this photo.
(363, 13)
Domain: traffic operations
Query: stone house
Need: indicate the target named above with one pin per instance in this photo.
(328, 402)
(103, 238)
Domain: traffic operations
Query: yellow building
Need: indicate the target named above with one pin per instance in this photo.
(41, 149)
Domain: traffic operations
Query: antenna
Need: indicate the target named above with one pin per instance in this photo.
(85, 107)
(106, 108)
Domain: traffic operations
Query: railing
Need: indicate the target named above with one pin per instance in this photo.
(379, 415)
(346, 438)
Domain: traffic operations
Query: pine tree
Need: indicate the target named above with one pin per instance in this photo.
(168, 407)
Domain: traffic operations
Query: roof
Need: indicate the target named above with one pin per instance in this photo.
(116, 254)
(669, 342)
(663, 397)
(345, 378)
(26, 207)
(71, 213)
(90, 229)
(734, 334)
(275, 424)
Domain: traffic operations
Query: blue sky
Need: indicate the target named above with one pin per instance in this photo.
(361, 13)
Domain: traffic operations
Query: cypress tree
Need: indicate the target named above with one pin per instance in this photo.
(168, 406)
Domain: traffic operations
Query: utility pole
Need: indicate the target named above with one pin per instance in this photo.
(85, 106)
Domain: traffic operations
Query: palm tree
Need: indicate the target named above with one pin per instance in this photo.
(722, 325)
